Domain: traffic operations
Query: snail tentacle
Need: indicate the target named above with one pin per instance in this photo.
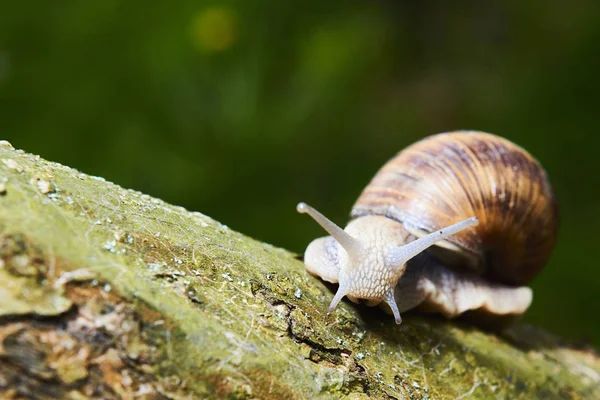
(396, 257)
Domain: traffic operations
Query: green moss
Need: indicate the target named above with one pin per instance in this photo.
(22, 295)
(243, 318)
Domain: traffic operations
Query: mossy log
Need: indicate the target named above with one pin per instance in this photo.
(109, 293)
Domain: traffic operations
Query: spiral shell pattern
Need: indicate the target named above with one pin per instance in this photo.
(446, 178)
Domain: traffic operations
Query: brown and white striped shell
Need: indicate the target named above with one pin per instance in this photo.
(446, 178)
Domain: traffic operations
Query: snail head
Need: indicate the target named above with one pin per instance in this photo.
(372, 260)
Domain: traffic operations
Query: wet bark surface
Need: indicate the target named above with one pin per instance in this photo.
(108, 293)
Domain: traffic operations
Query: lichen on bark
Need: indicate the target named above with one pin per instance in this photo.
(110, 293)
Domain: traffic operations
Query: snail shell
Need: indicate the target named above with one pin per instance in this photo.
(449, 177)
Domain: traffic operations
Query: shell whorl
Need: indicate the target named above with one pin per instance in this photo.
(449, 177)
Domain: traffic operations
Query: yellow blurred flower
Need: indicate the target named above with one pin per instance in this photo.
(214, 29)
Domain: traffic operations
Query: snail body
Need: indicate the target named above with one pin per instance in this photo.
(480, 204)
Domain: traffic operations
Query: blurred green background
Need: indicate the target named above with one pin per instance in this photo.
(240, 109)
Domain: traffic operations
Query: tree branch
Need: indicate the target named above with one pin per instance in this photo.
(109, 293)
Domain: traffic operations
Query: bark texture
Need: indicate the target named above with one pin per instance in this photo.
(108, 293)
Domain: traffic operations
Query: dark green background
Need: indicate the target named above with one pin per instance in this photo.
(240, 109)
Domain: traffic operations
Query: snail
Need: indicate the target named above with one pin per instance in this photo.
(456, 222)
